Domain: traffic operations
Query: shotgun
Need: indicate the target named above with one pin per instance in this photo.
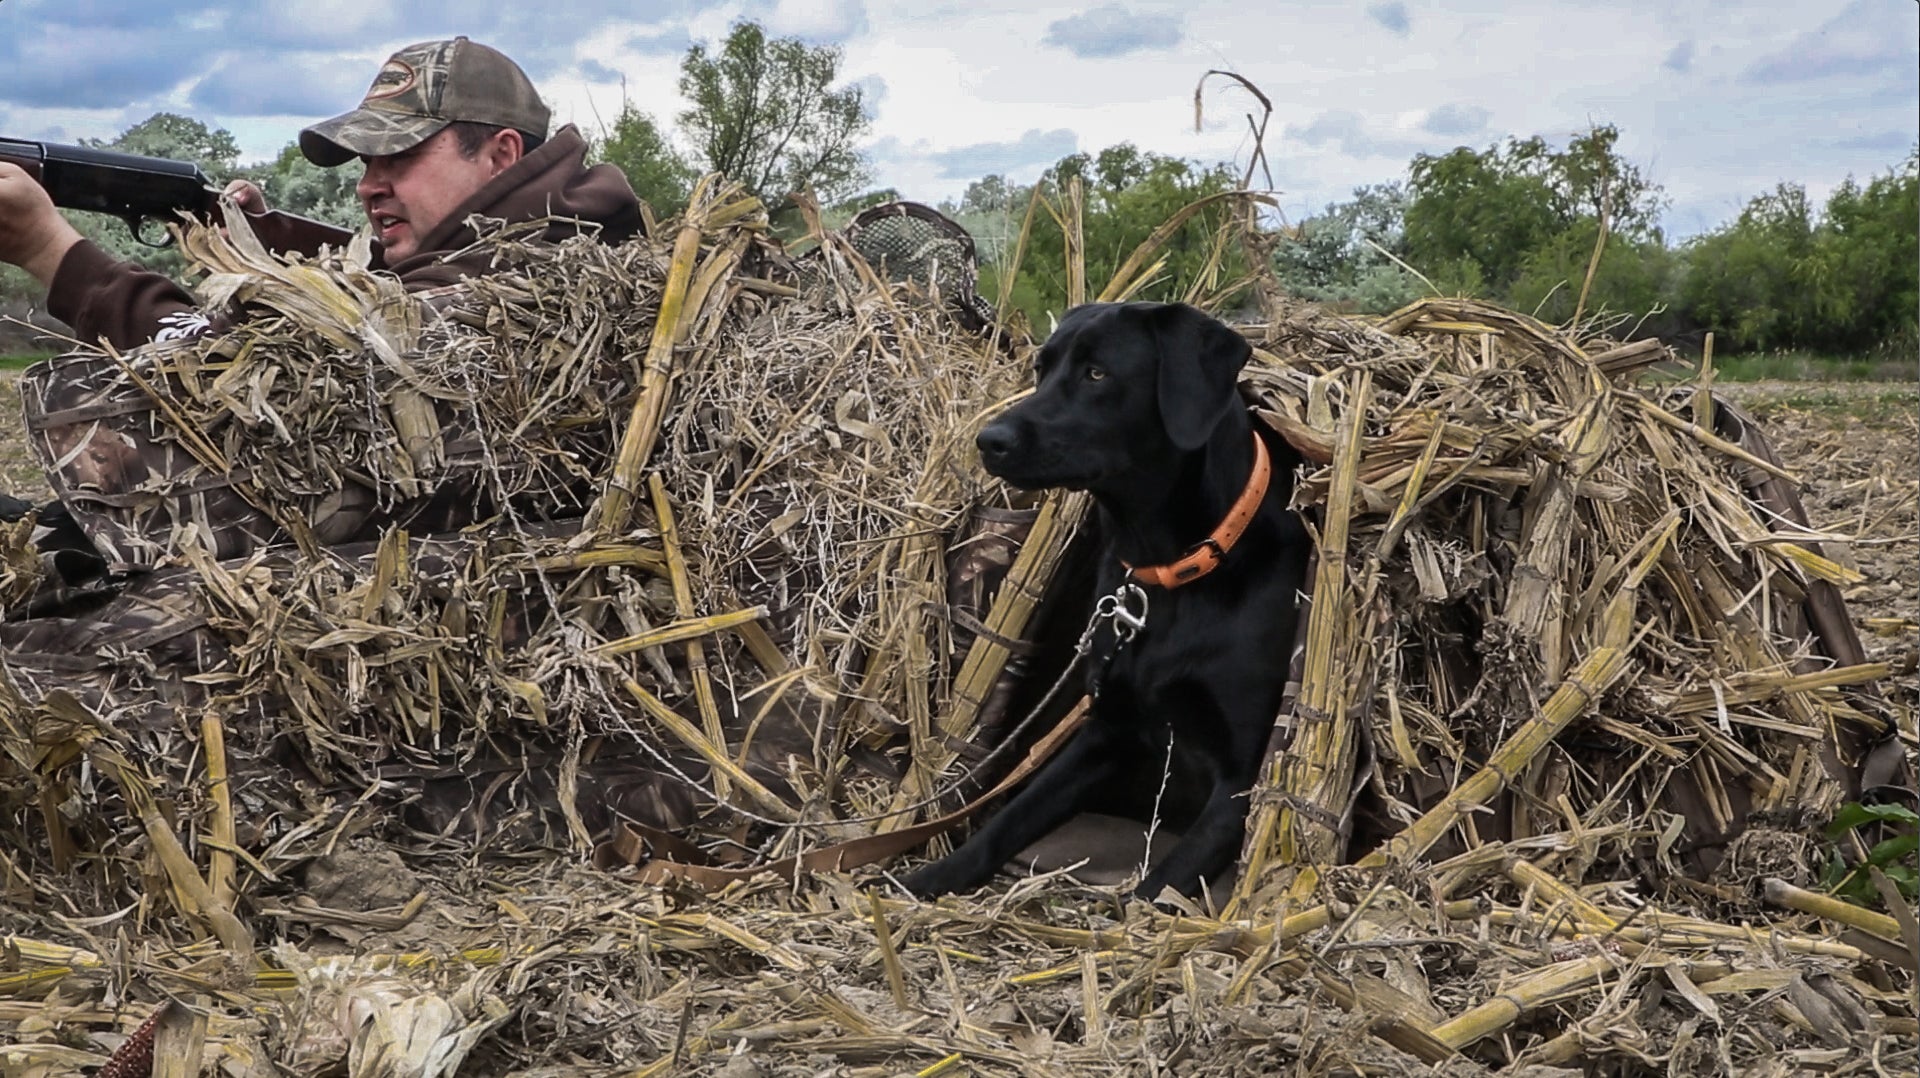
(140, 189)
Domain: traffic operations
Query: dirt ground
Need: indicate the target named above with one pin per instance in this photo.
(1856, 448)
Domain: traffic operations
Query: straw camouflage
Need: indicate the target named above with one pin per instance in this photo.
(419, 91)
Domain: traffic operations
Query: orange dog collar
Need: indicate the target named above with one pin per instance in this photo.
(1206, 555)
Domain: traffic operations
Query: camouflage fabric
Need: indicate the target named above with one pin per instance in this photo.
(213, 610)
(420, 90)
(47, 564)
(103, 653)
(134, 667)
(133, 486)
(978, 560)
(136, 487)
(979, 556)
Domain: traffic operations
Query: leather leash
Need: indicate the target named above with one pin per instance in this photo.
(637, 844)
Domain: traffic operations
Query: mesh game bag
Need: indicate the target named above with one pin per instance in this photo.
(908, 241)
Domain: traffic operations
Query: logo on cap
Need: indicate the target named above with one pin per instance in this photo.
(395, 78)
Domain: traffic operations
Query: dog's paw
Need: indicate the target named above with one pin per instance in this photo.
(1165, 895)
(929, 881)
(958, 871)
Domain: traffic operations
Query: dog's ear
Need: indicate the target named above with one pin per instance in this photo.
(1200, 361)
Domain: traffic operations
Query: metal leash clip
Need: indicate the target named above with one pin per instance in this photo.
(1126, 608)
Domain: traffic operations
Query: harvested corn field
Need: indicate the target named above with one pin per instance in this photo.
(717, 585)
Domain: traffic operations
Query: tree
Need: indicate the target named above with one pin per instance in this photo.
(1635, 278)
(988, 194)
(1341, 256)
(1128, 193)
(661, 175)
(1474, 218)
(1865, 265)
(1591, 173)
(297, 185)
(990, 210)
(1842, 279)
(177, 138)
(1743, 279)
(765, 113)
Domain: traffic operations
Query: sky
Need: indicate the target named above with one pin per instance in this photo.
(1715, 102)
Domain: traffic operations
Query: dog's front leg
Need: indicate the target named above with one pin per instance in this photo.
(1050, 798)
(1207, 848)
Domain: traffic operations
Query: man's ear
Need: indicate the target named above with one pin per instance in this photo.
(504, 149)
(1200, 361)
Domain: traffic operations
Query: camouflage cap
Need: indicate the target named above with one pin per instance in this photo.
(420, 90)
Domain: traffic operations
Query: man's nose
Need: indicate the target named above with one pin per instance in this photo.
(372, 181)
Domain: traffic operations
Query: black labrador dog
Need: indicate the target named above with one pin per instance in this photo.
(1137, 404)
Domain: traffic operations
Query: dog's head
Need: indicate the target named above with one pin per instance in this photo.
(1120, 387)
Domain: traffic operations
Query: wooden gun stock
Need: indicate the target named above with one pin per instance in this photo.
(289, 232)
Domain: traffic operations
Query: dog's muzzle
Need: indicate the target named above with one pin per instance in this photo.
(1026, 455)
(999, 444)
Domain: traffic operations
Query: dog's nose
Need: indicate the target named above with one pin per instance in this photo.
(996, 442)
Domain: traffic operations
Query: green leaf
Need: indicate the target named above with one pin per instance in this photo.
(1894, 851)
(1854, 814)
(1835, 871)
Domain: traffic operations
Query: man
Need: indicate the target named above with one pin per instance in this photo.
(448, 129)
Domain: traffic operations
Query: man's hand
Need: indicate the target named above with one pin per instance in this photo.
(248, 197)
(33, 235)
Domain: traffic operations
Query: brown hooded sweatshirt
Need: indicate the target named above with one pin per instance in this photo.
(101, 297)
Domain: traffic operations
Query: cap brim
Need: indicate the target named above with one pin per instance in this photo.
(365, 133)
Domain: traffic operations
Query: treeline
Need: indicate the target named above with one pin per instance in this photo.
(1516, 222)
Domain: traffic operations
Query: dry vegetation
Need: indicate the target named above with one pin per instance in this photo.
(735, 641)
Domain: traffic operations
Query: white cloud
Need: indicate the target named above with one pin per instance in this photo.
(1034, 151)
(1113, 30)
(1456, 119)
(1392, 16)
(1870, 38)
(817, 21)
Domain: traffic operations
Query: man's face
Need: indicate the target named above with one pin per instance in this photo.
(407, 195)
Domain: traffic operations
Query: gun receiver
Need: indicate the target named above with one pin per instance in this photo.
(138, 189)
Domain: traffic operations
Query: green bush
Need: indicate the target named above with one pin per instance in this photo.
(1634, 278)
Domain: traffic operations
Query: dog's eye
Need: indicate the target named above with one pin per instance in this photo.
(1094, 374)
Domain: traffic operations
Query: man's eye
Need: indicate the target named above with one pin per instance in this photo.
(1094, 374)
